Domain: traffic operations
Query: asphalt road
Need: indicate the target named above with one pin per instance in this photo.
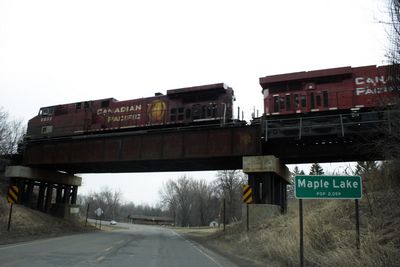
(137, 245)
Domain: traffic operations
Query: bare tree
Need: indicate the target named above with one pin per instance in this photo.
(229, 185)
(169, 200)
(11, 133)
(177, 196)
(389, 144)
(106, 199)
(190, 202)
(205, 203)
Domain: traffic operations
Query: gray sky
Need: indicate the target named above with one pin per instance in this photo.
(54, 52)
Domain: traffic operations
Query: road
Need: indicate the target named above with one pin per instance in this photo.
(137, 245)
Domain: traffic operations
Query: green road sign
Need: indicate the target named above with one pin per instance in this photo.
(328, 187)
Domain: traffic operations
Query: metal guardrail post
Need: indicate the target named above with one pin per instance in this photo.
(300, 127)
(341, 124)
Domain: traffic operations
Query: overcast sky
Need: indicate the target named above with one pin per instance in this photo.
(54, 52)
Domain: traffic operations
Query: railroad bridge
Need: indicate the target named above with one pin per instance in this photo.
(215, 147)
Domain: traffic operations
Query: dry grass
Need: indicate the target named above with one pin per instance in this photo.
(329, 233)
(28, 224)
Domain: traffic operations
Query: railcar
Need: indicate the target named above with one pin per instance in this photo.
(327, 90)
(328, 101)
(192, 105)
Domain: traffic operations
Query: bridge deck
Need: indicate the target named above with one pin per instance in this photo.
(180, 149)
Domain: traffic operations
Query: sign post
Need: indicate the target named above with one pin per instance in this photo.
(301, 233)
(12, 198)
(247, 198)
(87, 213)
(327, 187)
(98, 213)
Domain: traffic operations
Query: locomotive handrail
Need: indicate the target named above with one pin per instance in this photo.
(138, 131)
(301, 124)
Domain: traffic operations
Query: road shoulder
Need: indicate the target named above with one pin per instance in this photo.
(205, 238)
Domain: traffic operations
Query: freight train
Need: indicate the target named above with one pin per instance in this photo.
(320, 102)
(329, 101)
(205, 104)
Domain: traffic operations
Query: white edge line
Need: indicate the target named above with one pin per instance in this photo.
(196, 247)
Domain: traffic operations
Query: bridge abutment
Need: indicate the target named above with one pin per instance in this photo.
(48, 191)
(268, 179)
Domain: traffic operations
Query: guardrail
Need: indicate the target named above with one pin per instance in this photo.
(339, 125)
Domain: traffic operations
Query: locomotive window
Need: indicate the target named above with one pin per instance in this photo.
(214, 110)
(296, 101)
(173, 114)
(196, 111)
(47, 129)
(78, 106)
(325, 98)
(276, 104)
(180, 114)
(312, 101)
(46, 112)
(105, 103)
(318, 99)
(303, 101)
(211, 111)
(203, 111)
(281, 102)
(287, 102)
(86, 105)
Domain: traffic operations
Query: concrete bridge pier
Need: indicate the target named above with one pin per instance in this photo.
(268, 178)
(48, 191)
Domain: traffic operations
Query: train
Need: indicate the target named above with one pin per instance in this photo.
(206, 104)
(327, 102)
(328, 91)
(315, 102)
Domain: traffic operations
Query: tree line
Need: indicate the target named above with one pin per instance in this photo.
(187, 201)
(191, 202)
(11, 133)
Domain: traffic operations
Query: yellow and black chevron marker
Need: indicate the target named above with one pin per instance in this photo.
(247, 194)
(12, 196)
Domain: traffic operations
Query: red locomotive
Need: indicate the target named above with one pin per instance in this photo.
(202, 104)
(327, 102)
(336, 89)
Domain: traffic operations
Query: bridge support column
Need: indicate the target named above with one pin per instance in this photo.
(29, 193)
(74, 194)
(49, 197)
(27, 178)
(67, 194)
(42, 188)
(59, 193)
(268, 178)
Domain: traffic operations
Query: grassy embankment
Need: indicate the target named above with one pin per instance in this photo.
(28, 224)
(329, 231)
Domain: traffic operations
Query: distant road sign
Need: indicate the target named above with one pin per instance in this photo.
(328, 187)
(98, 212)
(247, 194)
(12, 196)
